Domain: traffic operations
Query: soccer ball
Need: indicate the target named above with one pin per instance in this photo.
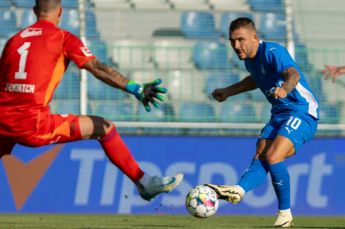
(202, 201)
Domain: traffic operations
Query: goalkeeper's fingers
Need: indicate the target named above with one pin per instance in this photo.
(155, 83)
(160, 89)
(160, 97)
(146, 105)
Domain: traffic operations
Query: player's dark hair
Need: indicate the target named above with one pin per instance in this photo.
(47, 5)
(242, 22)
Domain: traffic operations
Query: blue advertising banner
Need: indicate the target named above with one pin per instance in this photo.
(78, 178)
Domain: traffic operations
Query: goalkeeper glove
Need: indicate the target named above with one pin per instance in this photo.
(147, 93)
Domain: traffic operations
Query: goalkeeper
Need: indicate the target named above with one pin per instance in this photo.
(31, 67)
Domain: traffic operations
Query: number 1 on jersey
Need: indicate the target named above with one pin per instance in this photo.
(23, 52)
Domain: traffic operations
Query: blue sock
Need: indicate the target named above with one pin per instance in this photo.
(253, 176)
(281, 183)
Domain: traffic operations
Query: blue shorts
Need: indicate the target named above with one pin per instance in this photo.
(298, 128)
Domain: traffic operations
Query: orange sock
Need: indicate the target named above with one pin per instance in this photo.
(119, 154)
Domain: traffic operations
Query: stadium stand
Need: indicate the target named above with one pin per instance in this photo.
(28, 18)
(70, 22)
(117, 4)
(267, 5)
(165, 112)
(66, 106)
(237, 112)
(211, 55)
(185, 85)
(198, 25)
(185, 44)
(173, 53)
(24, 4)
(191, 111)
(101, 91)
(219, 79)
(3, 41)
(69, 87)
(150, 4)
(132, 54)
(272, 26)
(226, 5)
(8, 22)
(194, 5)
(5, 4)
(114, 110)
(228, 17)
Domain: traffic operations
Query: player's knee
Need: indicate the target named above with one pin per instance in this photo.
(272, 157)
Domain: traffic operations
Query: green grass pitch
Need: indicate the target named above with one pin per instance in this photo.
(46, 221)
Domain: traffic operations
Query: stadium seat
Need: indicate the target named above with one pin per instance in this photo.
(69, 87)
(28, 18)
(228, 17)
(191, 111)
(97, 90)
(173, 53)
(198, 25)
(24, 3)
(211, 55)
(267, 5)
(8, 22)
(132, 54)
(70, 21)
(185, 85)
(237, 112)
(115, 110)
(273, 26)
(5, 4)
(219, 80)
(189, 5)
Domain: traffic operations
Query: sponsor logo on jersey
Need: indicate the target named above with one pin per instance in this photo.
(86, 51)
(30, 32)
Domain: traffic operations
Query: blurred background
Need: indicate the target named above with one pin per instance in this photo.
(185, 43)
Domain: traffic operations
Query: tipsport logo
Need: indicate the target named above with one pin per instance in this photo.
(23, 178)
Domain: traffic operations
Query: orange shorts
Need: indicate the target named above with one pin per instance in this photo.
(56, 128)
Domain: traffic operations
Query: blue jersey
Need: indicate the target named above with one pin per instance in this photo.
(266, 69)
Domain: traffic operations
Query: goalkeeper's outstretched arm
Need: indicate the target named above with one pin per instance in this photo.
(106, 74)
(146, 93)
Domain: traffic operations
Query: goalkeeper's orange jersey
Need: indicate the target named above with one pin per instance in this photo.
(31, 66)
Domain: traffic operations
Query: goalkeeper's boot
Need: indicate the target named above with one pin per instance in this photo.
(156, 185)
(231, 193)
(284, 219)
